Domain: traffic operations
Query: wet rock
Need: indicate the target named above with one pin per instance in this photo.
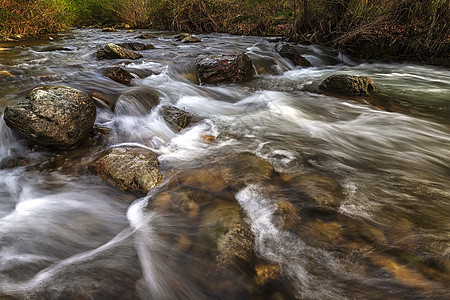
(403, 274)
(129, 168)
(58, 116)
(55, 48)
(181, 36)
(324, 190)
(288, 51)
(13, 162)
(223, 228)
(287, 216)
(108, 29)
(137, 101)
(179, 202)
(348, 85)
(5, 74)
(266, 272)
(246, 168)
(118, 74)
(210, 180)
(225, 68)
(146, 36)
(191, 39)
(102, 98)
(235, 246)
(113, 51)
(178, 118)
(136, 46)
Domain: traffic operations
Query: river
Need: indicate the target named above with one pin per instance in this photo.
(357, 205)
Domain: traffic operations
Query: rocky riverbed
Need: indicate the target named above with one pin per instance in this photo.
(219, 166)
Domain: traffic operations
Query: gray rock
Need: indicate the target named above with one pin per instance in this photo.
(59, 116)
(348, 85)
(113, 51)
(129, 168)
(225, 68)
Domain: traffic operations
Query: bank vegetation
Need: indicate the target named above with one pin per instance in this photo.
(415, 30)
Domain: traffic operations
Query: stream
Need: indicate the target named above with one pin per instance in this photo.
(343, 198)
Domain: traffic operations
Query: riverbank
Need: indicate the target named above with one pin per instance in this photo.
(389, 30)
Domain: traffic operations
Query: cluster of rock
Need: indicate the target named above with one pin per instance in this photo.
(64, 117)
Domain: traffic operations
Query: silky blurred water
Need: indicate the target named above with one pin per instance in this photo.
(65, 233)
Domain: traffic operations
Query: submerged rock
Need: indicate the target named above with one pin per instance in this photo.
(288, 51)
(129, 168)
(348, 85)
(58, 116)
(137, 101)
(118, 74)
(5, 74)
(113, 51)
(146, 36)
(225, 68)
(177, 118)
(136, 46)
(55, 48)
(287, 216)
(323, 190)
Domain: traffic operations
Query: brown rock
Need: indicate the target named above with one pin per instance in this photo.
(225, 68)
(288, 51)
(178, 118)
(5, 74)
(129, 168)
(118, 74)
(287, 216)
(113, 51)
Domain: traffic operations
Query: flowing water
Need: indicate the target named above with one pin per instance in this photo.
(357, 206)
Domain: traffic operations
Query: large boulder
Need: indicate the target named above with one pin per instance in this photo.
(177, 118)
(118, 74)
(59, 116)
(288, 51)
(348, 85)
(225, 68)
(113, 51)
(129, 168)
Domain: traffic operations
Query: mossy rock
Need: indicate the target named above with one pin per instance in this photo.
(57, 116)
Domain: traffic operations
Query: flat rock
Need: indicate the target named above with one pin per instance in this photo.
(129, 168)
